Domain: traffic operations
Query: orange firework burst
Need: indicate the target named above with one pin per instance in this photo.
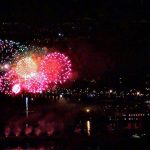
(26, 68)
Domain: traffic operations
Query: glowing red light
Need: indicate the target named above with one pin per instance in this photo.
(56, 67)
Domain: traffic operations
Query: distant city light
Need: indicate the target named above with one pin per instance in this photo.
(110, 91)
(60, 34)
(87, 110)
(60, 95)
(138, 93)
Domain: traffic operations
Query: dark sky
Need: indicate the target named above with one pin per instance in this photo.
(49, 10)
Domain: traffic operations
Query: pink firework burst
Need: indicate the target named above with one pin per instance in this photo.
(36, 84)
(9, 80)
(56, 67)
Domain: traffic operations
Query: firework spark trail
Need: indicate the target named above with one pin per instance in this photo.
(10, 51)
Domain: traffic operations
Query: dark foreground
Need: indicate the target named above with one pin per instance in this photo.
(112, 142)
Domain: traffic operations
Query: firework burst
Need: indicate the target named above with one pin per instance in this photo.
(31, 69)
(56, 67)
(10, 51)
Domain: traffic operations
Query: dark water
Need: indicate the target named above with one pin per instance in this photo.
(68, 126)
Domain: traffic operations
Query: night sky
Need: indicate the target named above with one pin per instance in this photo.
(50, 10)
(122, 38)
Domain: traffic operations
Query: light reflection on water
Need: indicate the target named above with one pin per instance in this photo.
(88, 127)
(52, 148)
(88, 124)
